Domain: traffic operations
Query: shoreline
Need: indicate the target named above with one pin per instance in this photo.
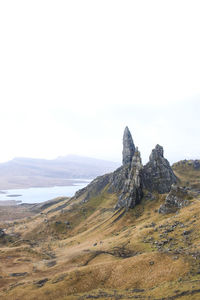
(36, 195)
(68, 182)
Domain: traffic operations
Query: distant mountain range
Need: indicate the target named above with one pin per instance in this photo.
(30, 172)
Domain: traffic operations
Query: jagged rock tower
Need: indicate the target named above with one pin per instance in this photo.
(132, 191)
(157, 174)
(132, 178)
(128, 147)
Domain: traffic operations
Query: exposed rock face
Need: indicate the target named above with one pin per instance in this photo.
(196, 164)
(131, 178)
(2, 233)
(128, 147)
(94, 188)
(118, 178)
(157, 174)
(177, 198)
(190, 163)
(132, 190)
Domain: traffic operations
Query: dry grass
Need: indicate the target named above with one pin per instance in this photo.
(103, 254)
(188, 175)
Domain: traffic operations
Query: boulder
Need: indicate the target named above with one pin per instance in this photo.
(2, 233)
(18, 274)
(196, 164)
(177, 198)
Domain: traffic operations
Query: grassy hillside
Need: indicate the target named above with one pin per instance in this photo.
(73, 250)
(188, 172)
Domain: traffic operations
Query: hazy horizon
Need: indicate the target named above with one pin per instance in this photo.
(70, 155)
(74, 74)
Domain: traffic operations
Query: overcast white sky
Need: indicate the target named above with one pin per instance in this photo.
(73, 74)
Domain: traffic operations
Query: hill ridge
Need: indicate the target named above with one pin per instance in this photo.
(32, 172)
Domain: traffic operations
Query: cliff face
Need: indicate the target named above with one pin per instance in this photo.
(132, 191)
(157, 174)
(132, 178)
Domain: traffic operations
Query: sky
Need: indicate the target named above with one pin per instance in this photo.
(74, 73)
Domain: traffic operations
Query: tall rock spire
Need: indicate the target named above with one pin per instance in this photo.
(132, 192)
(128, 147)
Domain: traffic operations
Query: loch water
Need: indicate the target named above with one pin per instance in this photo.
(41, 194)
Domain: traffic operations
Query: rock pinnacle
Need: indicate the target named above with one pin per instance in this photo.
(128, 147)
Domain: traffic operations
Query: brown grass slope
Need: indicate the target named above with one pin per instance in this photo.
(90, 251)
(187, 173)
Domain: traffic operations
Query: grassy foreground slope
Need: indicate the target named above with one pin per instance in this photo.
(89, 251)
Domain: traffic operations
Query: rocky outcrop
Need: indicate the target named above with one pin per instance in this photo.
(132, 192)
(129, 181)
(158, 175)
(177, 198)
(2, 233)
(128, 147)
(94, 188)
(195, 164)
(118, 179)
